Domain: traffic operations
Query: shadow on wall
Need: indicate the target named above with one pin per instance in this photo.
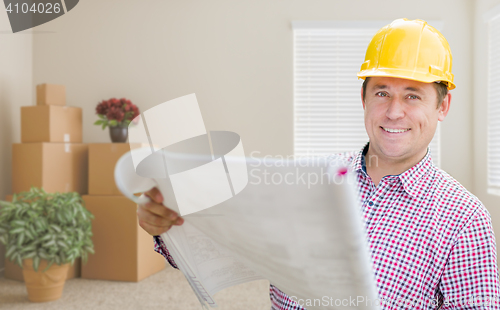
(6, 153)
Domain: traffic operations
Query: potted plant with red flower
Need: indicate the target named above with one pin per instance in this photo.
(117, 115)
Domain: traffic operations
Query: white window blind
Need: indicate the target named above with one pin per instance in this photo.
(328, 113)
(493, 130)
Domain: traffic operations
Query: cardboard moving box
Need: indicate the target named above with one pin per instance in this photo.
(49, 123)
(56, 167)
(123, 250)
(102, 160)
(50, 94)
(14, 272)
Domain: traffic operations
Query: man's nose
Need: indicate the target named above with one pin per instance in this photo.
(395, 110)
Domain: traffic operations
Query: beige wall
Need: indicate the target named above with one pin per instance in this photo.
(15, 91)
(479, 102)
(235, 55)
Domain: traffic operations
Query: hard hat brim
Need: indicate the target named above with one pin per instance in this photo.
(405, 74)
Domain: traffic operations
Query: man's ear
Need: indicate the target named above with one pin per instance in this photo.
(445, 107)
(362, 101)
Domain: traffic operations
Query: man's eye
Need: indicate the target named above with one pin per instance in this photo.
(413, 97)
(381, 94)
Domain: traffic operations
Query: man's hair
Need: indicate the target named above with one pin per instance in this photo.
(441, 89)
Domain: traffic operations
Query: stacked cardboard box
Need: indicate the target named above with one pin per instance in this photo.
(123, 250)
(51, 154)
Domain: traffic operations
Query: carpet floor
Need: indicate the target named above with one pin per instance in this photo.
(167, 289)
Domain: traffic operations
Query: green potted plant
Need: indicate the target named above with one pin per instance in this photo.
(44, 233)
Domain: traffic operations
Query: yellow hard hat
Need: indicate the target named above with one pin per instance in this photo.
(409, 49)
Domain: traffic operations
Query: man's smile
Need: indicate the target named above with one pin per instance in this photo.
(395, 130)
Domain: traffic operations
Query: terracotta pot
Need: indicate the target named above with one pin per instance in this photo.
(118, 134)
(44, 286)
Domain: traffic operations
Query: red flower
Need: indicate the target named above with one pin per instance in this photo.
(113, 102)
(120, 110)
(115, 113)
(127, 107)
(135, 109)
(102, 108)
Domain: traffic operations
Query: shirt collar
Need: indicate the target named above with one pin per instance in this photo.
(410, 178)
(358, 164)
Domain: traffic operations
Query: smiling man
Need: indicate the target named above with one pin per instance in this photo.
(431, 241)
(401, 117)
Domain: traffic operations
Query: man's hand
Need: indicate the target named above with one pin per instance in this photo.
(154, 217)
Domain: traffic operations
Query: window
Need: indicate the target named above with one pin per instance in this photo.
(493, 128)
(328, 115)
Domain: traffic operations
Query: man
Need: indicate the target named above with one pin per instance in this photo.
(431, 241)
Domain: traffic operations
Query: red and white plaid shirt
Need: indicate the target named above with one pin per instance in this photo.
(431, 241)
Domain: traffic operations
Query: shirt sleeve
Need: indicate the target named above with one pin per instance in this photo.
(470, 279)
(161, 248)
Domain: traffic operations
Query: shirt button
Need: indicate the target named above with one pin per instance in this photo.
(371, 203)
